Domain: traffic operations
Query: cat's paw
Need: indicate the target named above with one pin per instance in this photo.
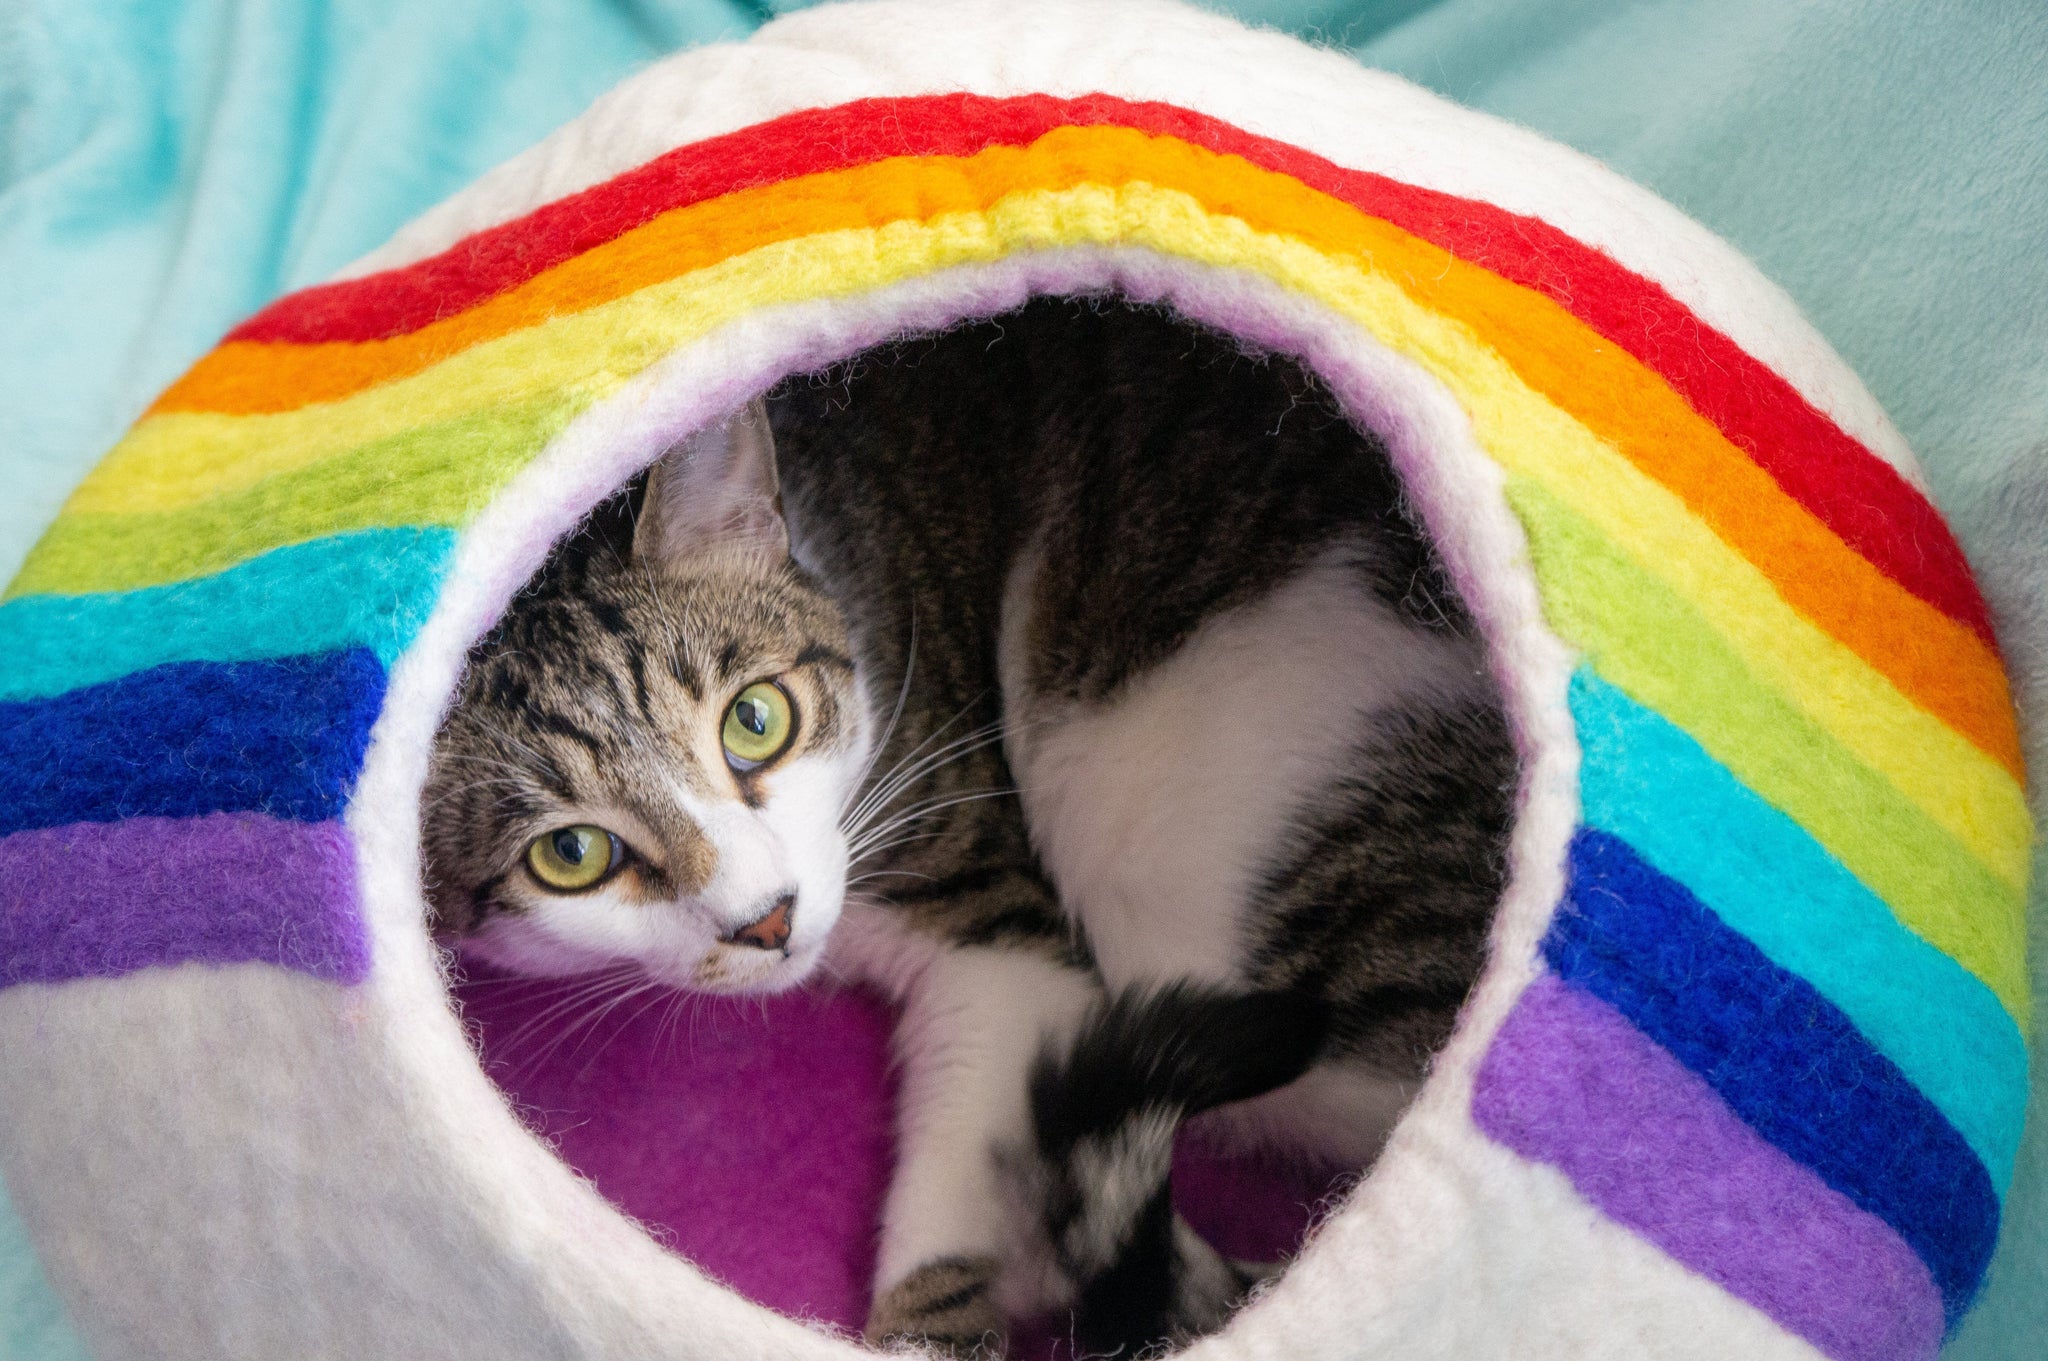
(947, 1304)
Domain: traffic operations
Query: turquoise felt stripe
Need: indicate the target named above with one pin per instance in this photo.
(1646, 781)
(369, 589)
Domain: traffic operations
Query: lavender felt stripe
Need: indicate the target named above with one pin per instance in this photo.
(284, 737)
(1569, 1082)
(97, 900)
(1784, 1058)
(369, 589)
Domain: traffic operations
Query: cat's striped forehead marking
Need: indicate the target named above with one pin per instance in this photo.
(550, 752)
(729, 633)
(601, 698)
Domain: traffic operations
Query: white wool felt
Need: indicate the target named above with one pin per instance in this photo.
(1265, 82)
(386, 1168)
(243, 1162)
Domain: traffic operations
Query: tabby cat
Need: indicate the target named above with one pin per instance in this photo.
(1077, 679)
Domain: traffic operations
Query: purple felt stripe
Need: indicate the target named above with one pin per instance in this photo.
(101, 899)
(1569, 1082)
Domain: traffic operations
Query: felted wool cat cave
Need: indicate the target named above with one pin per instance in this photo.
(1745, 1074)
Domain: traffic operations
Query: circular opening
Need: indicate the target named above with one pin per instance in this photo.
(1163, 683)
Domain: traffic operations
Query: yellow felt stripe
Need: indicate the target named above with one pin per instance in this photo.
(1933, 660)
(1982, 929)
(439, 474)
(1653, 645)
(1967, 793)
(1956, 902)
(585, 356)
(1953, 782)
(591, 352)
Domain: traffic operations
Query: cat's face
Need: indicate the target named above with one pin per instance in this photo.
(649, 762)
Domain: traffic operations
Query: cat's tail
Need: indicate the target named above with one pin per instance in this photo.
(1104, 1113)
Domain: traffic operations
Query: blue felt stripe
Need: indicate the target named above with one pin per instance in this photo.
(1651, 785)
(368, 589)
(1782, 1056)
(283, 737)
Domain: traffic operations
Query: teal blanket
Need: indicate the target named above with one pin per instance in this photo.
(167, 168)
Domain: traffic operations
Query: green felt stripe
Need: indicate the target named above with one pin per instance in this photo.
(1650, 643)
(434, 475)
(368, 589)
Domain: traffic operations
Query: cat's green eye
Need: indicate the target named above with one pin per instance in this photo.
(572, 858)
(757, 726)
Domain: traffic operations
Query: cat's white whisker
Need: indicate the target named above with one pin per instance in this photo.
(898, 774)
(868, 844)
(665, 1029)
(906, 773)
(881, 743)
(467, 760)
(588, 1023)
(540, 761)
(873, 875)
(904, 777)
(660, 993)
(580, 993)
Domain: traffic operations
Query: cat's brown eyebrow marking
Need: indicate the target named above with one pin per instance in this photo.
(816, 654)
(561, 725)
(636, 662)
(686, 675)
(556, 783)
(610, 618)
(728, 655)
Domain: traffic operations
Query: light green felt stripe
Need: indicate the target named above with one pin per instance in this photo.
(435, 475)
(372, 588)
(1652, 786)
(1647, 641)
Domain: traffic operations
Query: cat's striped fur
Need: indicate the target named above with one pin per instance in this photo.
(1191, 787)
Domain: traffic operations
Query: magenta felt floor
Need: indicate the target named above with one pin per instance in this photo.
(754, 1137)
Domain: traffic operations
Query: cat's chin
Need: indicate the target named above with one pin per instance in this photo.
(734, 974)
(513, 947)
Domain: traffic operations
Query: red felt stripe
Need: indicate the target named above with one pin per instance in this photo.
(478, 267)
(1857, 495)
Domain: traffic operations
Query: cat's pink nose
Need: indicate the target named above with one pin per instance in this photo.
(771, 930)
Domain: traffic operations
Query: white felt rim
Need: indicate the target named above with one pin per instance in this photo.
(329, 1144)
(1398, 1239)
(383, 1164)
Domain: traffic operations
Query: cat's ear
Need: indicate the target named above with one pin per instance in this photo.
(715, 493)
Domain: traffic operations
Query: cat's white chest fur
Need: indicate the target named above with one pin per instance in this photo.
(1156, 813)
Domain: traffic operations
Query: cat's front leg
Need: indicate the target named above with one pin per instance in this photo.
(956, 1250)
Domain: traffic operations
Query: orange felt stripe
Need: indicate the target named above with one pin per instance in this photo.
(246, 378)
(1937, 662)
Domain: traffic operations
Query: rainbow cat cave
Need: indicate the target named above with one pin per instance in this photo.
(1742, 1074)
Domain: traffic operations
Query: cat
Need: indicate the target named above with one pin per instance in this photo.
(1078, 679)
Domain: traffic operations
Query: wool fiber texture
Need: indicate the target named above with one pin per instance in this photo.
(1746, 1073)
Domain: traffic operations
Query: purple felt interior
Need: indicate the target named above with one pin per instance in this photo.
(753, 1137)
(99, 899)
(1569, 1082)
